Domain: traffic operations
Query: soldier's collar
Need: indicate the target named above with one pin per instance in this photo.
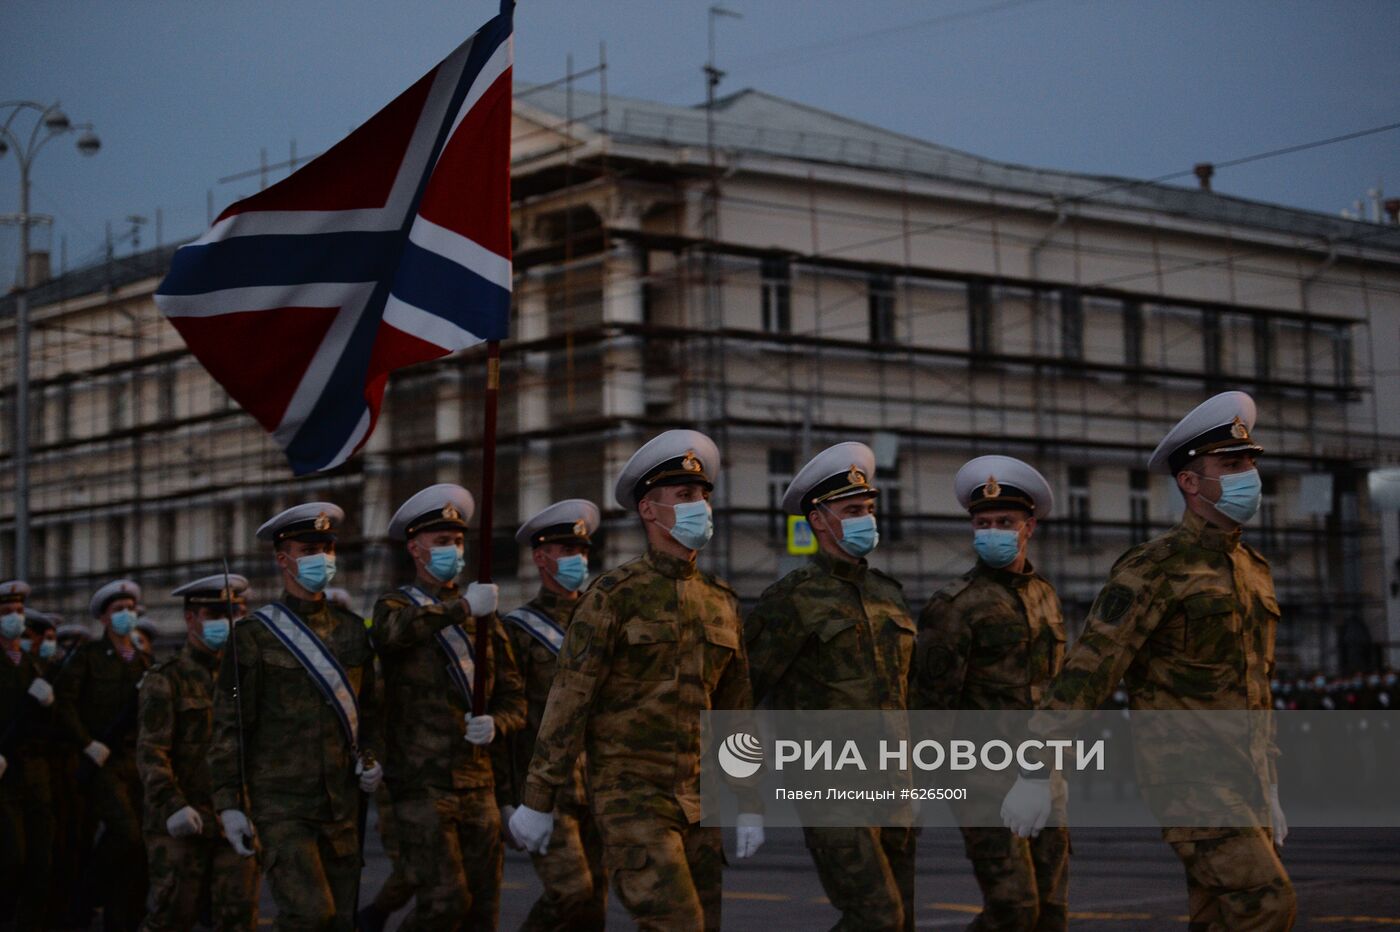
(667, 565)
(1005, 576)
(304, 607)
(841, 569)
(1208, 535)
(443, 592)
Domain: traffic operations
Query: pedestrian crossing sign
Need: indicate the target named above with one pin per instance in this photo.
(800, 539)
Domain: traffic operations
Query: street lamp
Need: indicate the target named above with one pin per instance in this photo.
(50, 123)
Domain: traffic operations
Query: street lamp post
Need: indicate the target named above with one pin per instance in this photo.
(51, 123)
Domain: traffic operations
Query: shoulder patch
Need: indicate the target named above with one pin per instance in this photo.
(1112, 603)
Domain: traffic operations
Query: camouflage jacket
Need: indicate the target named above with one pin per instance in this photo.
(425, 712)
(172, 747)
(20, 723)
(990, 640)
(537, 665)
(97, 693)
(1187, 621)
(298, 762)
(831, 635)
(653, 643)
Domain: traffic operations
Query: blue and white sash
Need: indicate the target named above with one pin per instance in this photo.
(539, 626)
(461, 658)
(323, 667)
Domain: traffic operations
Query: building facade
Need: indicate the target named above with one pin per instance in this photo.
(784, 278)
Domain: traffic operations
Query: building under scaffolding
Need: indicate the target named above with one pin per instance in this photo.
(784, 278)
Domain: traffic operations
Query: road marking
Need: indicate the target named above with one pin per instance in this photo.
(957, 907)
(1110, 916)
(753, 895)
(1378, 920)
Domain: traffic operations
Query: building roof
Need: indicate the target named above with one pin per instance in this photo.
(119, 272)
(751, 121)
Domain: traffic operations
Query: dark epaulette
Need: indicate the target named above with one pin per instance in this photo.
(1258, 557)
(1156, 550)
(718, 583)
(883, 575)
(951, 590)
(610, 580)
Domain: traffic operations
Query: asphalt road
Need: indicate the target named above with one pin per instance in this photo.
(1120, 879)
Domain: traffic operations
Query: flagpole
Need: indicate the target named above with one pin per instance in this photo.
(488, 497)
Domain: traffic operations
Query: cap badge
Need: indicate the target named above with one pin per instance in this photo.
(580, 528)
(450, 512)
(1238, 430)
(691, 463)
(322, 522)
(992, 488)
(856, 476)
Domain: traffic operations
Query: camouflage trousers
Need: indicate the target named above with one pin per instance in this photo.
(667, 872)
(26, 862)
(450, 848)
(575, 892)
(396, 891)
(119, 856)
(867, 874)
(313, 869)
(1234, 880)
(186, 873)
(1024, 882)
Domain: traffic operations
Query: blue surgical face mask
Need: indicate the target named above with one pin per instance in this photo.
(214, 632)
(446, 562)
(26, 645)
(571, 572)
(695, 524)
(123, 621)
(315, 572)
(996, 547)
(47, 649)
(858, 535)
(11, 625)
(1239, 495)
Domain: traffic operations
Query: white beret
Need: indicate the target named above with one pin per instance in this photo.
(1002, 482)
(676, 457)
(438, 506)
(573, 520)
(1220, 424)
(838, 472)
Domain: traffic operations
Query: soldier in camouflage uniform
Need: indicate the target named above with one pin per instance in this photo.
(992, 640)
(190, 861)
(652, 645)
(1187, 621)
(97, 707)
(837, 634)
(442, 783)
(26, 824)
(571, 870)
(297, 744)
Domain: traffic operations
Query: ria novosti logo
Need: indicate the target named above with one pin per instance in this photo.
(741, 755)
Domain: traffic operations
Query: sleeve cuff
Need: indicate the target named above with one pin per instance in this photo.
(538, 795)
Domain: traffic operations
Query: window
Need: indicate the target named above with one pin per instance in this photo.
(881, 302)
(225, 516)
(1139, 508)
(1263, 349)
(39, 553)
(1341, 343)
(166, 405)
(116, 405)
(891, 504)
(65, 551)
(775, 289)
(116, 544)
(1078, 520)
(1071, 324)
(165, 538)
(979, 317)
(1132, 335)
(1268, 514)
(64, 427)
(781, 468)
(1210, 346)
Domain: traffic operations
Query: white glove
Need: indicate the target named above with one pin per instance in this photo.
(238, 830)
(506, 836)
(481, 729)
(1277, 821)
(41, 691)
(481, 598)
(4, 765)
(98, 752)
(531, 829)
(1026, 808)
(748, 836)
(370, 777)
(184, 822)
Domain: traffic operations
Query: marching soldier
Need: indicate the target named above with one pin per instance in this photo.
(189, 859)
(97, 707)
(26, 823)
(296, 725)
(442, 784)
(1188, 621)
(571, 869)
(652, 645)
(837, 634)
(992, 640)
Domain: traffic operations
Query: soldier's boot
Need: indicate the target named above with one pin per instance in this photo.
(371, 919)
